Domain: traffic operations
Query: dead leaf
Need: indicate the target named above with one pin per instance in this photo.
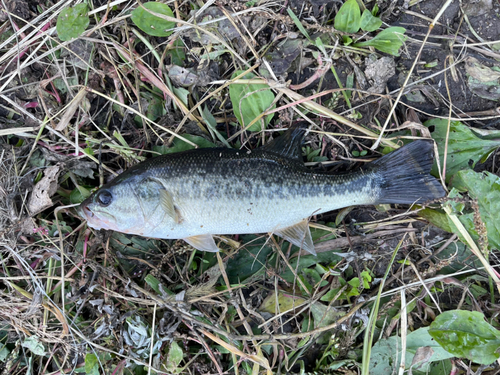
(378, 71)
(421, 357)
(483, 80)
(43, 190)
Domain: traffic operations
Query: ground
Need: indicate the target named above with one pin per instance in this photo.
(88, 91)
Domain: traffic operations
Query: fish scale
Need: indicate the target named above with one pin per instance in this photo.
(196, 194)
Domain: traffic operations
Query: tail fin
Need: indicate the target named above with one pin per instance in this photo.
(405, 175)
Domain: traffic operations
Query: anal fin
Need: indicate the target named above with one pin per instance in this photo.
(299, 235)
(203, 242)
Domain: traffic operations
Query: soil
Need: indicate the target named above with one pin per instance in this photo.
(113, 276)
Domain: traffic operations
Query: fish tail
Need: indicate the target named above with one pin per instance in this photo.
(404, 175)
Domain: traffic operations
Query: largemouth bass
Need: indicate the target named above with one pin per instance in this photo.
(196, 194)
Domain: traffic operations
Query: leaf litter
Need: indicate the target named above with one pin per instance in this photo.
(234, 75)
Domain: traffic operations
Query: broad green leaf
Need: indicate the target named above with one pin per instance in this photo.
(437, 218)
(308, 261)
(91, 364)
(182, 94)
(249, 260)
(389, 40)
(250, 101)
(463, 146)
(285, 302)
(485, 187)
(420, 338)
(386, 353)
(466, 216)
(176, 53)
(179, 145)
(156, 108)
(150, 24)
(369, 22)
(467, 334)
(324, 315)
(72, 22)
(348, 18)
(4, 353)
(174, 357)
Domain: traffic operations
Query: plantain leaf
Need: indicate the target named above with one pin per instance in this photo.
(348, 19)
(150, 24)
(463, 146)
(485, 187)
(369, 22)
(250, 101)
(385, 353)
(467, 334)
(389, 40)
(72, 22)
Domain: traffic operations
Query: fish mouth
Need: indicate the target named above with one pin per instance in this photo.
(92, 219)
(84, 211)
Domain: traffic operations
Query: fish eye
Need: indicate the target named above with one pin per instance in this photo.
(104, 198)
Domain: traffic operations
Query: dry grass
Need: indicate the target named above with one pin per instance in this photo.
(74, 299)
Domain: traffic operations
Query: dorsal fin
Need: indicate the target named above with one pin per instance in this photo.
(289, 143)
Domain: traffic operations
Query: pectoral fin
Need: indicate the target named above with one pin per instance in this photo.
(203, 242)
(167, 203)
(299, 235)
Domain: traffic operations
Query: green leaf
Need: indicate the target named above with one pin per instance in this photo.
(463, 146)
(177, 54)
(154, 283)
(437, 218)
(182, 94)
(467, 334)
(280, 302)
(91, 364)
(298, 23)
(33, 343)
(174, 357)
(4, 353)
(79, 194)
(249, 260)
(485, 187)
(150, 24)
(389, 40)
(307, 261)
(156, 108)
(72, 22)
(348, 18)
(250, 101)
(386, 354)
(369, 22)
(179, 145)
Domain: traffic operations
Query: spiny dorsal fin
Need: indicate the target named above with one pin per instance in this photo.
(203, 242)
(299, 235)
(288, 144)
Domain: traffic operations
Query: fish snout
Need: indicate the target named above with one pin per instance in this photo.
(84, 211)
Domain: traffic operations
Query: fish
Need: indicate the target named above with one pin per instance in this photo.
(197, 194)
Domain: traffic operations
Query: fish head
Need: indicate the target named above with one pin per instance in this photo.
(114, 207)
